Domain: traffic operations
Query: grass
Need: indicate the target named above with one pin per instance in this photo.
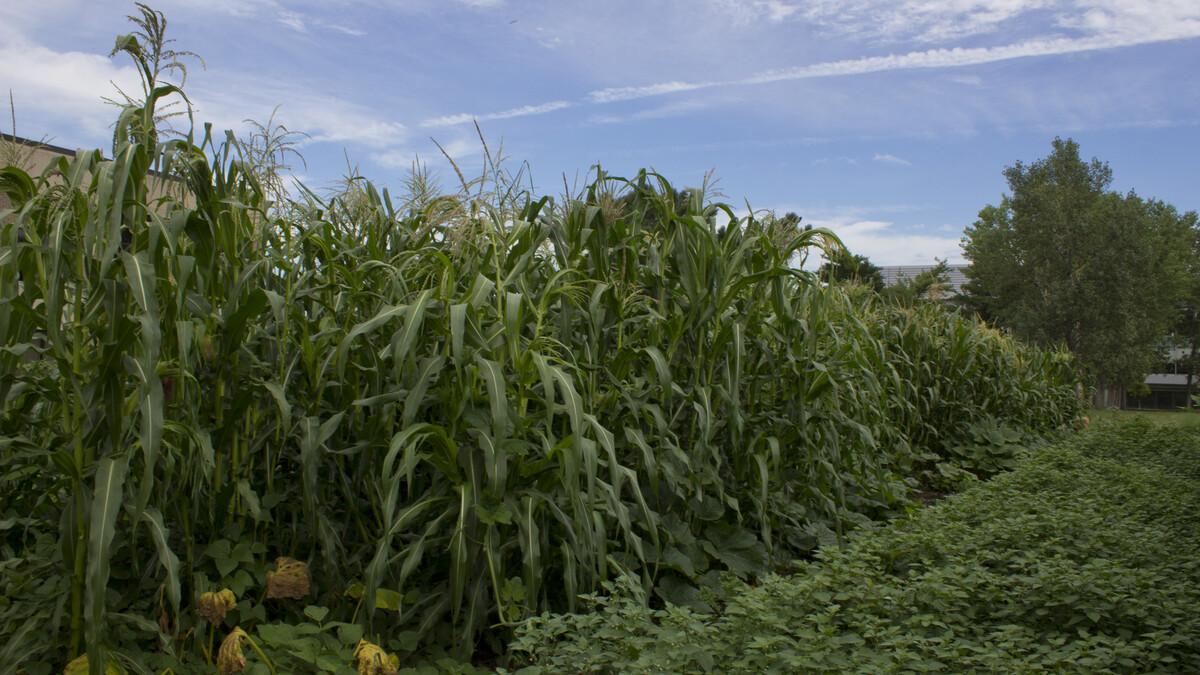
(1184, 419)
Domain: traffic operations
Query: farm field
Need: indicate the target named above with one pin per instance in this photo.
(230, 429)
(358, 432)
(1082, 559)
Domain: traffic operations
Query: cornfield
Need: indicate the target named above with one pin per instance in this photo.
(457, 412)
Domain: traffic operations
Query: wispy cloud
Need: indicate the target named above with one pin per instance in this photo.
(675, 108)
(323, 117)
(743, 12)
(348, 31)
(891, 159)
(298, 21)
(933, 21)
(292, 20)
(824, 161)
(628, 93)
(968, 80)
(919, 20)
(398, 158)
(461, 150)
(928, 59)
(523, 111)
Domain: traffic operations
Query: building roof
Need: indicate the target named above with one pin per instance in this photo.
(30, 143)
(893, 273)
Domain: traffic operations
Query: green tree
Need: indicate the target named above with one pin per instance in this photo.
(843, 267)
(1185, 333)
(1063, 260)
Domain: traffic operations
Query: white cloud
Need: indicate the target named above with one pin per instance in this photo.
(348, 31)
(292, 20)
(932, 21)
(627, 93)
(460, 150)
(933, 58)
(463, 118)
(227, 101)
(243, 9)
(920, 20)
(891, 159)
(743, 12)
(65, 86)
(881, 241)
(822, 161)
(399, 158)
(672, 109)
(883, 244)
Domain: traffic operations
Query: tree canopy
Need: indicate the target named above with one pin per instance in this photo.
(844, 267)
(1064, 260)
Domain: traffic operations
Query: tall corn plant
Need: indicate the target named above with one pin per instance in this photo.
(95, 290)
(946, 372)
(81, 268)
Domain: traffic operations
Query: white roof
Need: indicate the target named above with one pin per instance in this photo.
(893, 273)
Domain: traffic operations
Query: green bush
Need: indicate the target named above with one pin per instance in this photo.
(1081, 560)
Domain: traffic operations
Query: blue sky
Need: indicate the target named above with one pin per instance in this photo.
(889, 121)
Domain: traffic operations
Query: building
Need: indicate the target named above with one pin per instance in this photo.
(34, 156)
(956, 274)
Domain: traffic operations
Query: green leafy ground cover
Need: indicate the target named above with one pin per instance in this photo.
(1084, 559)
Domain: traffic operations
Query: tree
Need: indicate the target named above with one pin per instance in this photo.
(1062, 260)
(843, 267)
(1185, 333)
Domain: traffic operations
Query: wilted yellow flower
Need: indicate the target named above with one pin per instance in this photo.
(213, 606)
(289, 580)
(229, 657)
(373, 661)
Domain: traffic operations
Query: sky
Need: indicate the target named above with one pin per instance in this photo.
(889, 121)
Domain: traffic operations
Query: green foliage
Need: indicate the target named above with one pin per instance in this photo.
(1083, 559)
(1063, 261)
(950, 379)
(458, 413)
(843, 267)
(991, 448)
